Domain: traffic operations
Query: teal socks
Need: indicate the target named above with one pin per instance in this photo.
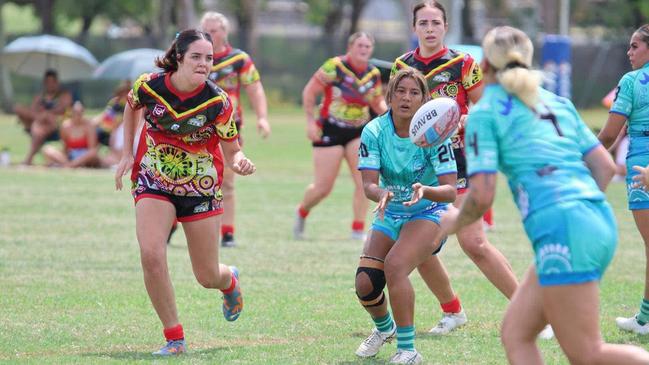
(643, 316)
(384, 324)
(406, 338)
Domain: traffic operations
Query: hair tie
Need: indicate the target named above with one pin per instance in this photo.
(177, 34)
(514, 64)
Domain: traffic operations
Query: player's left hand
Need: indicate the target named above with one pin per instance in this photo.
(417, 194)
(641, 181)
(422, 143)
(263, 127)
(462, 123)
(244, 167)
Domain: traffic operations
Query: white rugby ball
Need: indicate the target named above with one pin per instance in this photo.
(435, 121)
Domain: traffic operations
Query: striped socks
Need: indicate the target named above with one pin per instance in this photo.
(406, 338)
(384, 324)
(643, 316)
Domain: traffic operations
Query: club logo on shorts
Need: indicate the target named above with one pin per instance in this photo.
(554, 258)
(202, 208)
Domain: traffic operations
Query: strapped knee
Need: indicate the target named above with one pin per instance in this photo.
(373, 268)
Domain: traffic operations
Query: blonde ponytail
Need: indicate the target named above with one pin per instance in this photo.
(510, 51)
(522, 82)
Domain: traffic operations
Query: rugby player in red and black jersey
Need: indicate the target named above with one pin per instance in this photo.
(177, 174)
(231, 70)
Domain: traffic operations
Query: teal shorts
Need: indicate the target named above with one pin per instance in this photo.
(391, 224)
(573, 241)
(638, 154)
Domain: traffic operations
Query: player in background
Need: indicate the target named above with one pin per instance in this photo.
(177, 172)
(557, 171)
(351, 86)
(413, 187)
(233, 68)
(630, 110)
(456, 75)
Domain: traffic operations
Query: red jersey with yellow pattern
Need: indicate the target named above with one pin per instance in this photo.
(231, 69)
(178, 152)
(448, 73)
(348, 91)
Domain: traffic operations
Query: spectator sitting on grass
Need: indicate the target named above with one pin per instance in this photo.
(41, 119)
(79, 142)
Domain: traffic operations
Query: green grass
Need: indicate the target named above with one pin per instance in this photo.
(71, 287)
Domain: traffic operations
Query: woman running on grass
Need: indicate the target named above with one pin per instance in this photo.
(177, 172)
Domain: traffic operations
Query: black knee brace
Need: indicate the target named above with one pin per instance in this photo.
(373, 268)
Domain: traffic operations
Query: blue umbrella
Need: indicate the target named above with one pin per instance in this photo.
(31, 56)
(129, 65)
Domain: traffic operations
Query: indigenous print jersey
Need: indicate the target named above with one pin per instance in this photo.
(448, 73)
(540, 153)
(632, 101)
(348, 92)
(178, 152)
(112, 115)
(401, 163)
(231, 69)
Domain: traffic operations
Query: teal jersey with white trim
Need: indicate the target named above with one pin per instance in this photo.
(632, 100)
(401, 163)
(540, 153)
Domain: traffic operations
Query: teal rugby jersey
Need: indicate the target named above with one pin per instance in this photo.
(401, 163)
(541, 154)
(632, 100)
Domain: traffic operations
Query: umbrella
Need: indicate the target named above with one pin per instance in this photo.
(129, 65)
(31, 56)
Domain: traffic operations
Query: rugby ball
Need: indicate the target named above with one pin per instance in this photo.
(435, 121)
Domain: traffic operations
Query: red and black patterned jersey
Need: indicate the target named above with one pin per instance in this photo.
(449, 73)
(231, 69)
(348, 92)
(178, 151)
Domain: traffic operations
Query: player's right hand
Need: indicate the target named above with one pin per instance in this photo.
(313, 131)
(383, 203)
(124, 166)
(641, 181)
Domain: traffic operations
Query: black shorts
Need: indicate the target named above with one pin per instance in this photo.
(103, 136)
(188, 208)
(460, 160)
(335, 135)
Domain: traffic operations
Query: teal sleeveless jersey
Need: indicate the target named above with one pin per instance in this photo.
(540, 153)
(632, 101)
(401, 163)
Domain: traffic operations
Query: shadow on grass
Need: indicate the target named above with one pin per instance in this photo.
(146, 355)
(420, 335)
(359, 361)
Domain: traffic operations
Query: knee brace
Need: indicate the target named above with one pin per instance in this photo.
(373, 268)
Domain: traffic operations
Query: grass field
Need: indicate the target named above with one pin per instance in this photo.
(71, 288)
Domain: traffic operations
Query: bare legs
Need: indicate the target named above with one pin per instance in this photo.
(573, 312)
(153, 222)
(326, 164)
